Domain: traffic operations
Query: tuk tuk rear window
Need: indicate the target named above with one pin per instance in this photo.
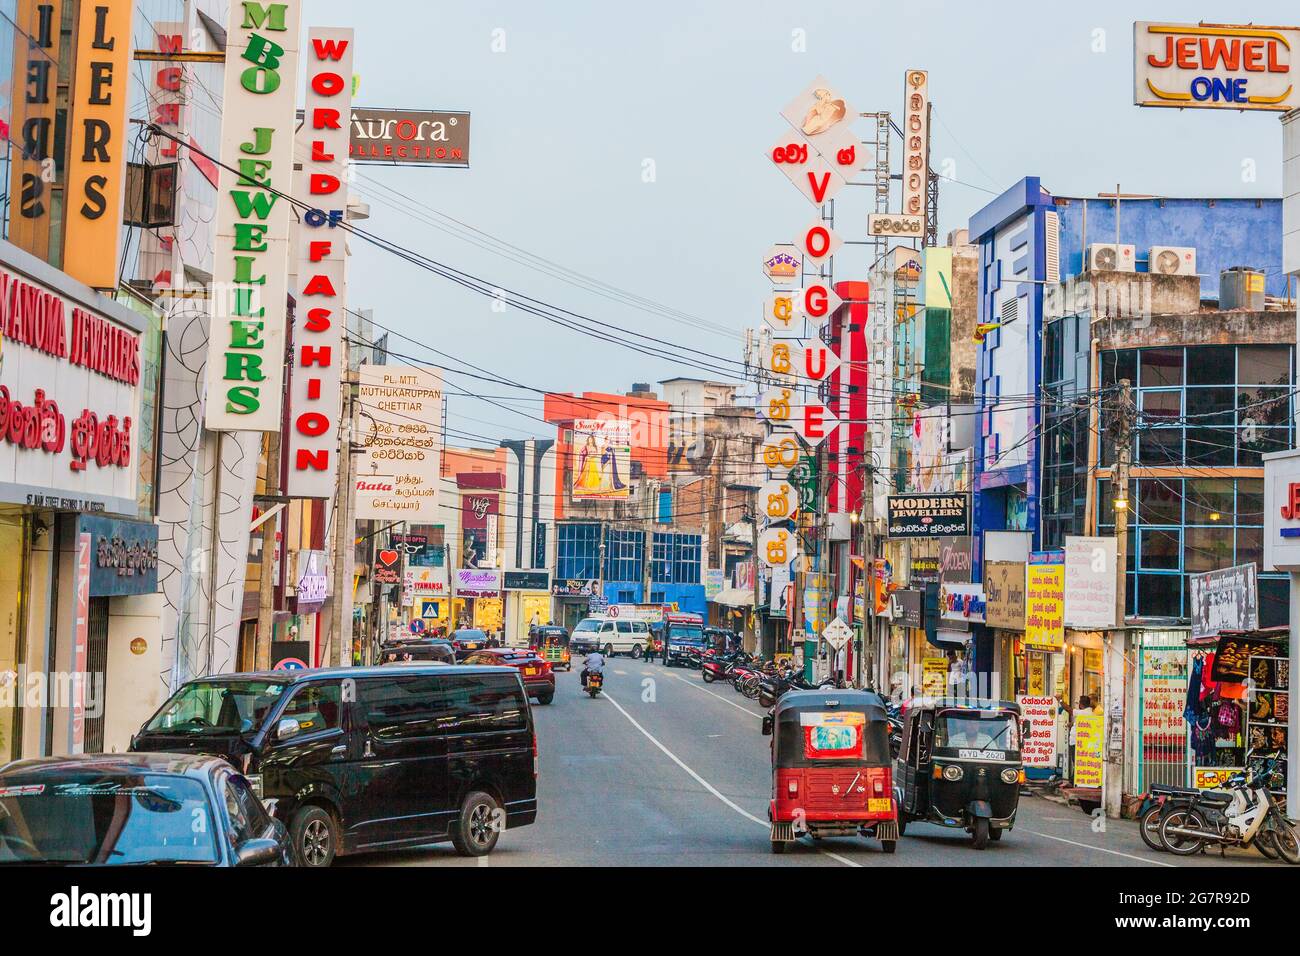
(810, 737)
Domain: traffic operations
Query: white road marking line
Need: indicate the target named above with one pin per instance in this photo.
(708, 786)
(731, 703)
(1099, 849)
(621, 673)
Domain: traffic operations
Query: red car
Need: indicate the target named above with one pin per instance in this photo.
(539, 679)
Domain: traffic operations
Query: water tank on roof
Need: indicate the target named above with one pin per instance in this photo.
(1241, 287)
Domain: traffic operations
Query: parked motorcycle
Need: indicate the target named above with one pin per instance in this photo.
(1161, 800)
(719, 667)
(1251, 817)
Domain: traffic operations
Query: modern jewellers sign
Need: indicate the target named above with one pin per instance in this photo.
(69, 391)
(316, 378)
(250, 278)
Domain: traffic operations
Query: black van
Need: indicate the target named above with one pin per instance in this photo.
(357, 759)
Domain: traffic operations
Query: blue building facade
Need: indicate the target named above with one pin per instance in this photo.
(675, 564)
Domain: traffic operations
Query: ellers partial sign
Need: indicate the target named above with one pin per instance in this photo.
(69, 391)
(1215, 66)
(251, 254)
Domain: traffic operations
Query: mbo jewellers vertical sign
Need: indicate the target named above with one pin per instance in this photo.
(251, 255)
(398, 478)
(315, 381)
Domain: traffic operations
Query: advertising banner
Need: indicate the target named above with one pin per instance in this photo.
(1045, 605)
(934, 676)
(1215, 66)
(929, 516)
(1090, 582)
(69, 393)
(1004, 594)
(477, 582)
(250, 271)
(1038, 749)
(409, 137)
(602, 454)
(316, 376)
(962, 602)
(1087, 750)
(1223, 600)
(97, 149)
(401, 431)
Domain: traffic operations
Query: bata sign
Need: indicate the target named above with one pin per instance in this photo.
(250, 272)
(315, 381)
(69, 393)
(1215, 66)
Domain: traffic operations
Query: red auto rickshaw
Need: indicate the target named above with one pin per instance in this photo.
(831, 768)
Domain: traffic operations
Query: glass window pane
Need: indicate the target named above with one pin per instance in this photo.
(1264, 365)
(1160, 407)
(1159, 595)
(1160, 446)
(1212, 365)
(1207, 549)
(1262, 441)
(1263, 406)
(1250, 501)
(1273, 602)
(1250, 546)
(1159, 549)
(1211, 446)
(1118, 365)
(1210, 501)
(1161, 367)
(1160, 501)
(1211, 406)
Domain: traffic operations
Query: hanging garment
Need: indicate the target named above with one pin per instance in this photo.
(1208, 684)
(1193, 693)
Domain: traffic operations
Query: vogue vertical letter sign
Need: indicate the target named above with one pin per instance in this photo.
(251, 256)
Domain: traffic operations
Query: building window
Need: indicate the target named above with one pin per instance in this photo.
(686, 559)
(1184, 526)
(577, 551)
(624, 552)
(661, 558)
(1219, 406)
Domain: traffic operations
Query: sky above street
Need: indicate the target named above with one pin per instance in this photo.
(628, 143)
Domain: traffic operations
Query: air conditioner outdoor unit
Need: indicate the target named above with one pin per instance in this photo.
(1108, 257)
(1172, 261)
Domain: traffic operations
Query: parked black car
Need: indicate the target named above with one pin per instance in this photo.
(125, 809)
(359, 759)
(433, 651)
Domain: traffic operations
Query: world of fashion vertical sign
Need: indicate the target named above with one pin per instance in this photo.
(245, 369)
(315, 379)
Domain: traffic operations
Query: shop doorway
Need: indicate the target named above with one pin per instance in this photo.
(96, 668)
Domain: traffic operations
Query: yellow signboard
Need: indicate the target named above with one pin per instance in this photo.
(1087, 750)
(97, 144)
(934, 676)
(1045, 606)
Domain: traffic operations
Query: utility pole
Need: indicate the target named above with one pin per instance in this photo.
(868, 522)
(1116, 650)
(266, 579)
(753, 534)
(339, 650)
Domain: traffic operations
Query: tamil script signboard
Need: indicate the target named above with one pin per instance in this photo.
(929, 516)
(1223, 600)
(1215, 66)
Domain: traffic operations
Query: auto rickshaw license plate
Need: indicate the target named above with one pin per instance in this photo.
(878, 805)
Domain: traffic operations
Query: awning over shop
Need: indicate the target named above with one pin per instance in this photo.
(734, 597)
